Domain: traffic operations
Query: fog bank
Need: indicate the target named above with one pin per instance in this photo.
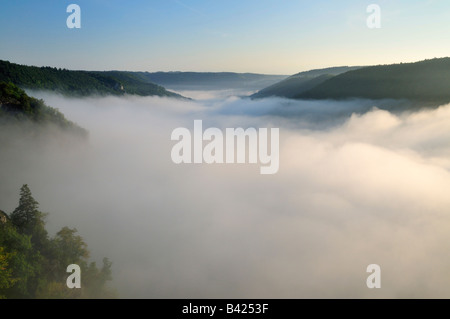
(371, 187)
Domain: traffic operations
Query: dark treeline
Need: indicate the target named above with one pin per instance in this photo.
(33, 265)
(301, 82)
(427, 81)
(424, 83)
(17, 106)
(79, 83)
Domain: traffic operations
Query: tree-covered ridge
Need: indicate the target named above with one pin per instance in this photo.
(427, 81)
(133, 83)
(301, 82)
(33, 265)
(16, 104)
(211, 80)
(79, 83)
(291, 86)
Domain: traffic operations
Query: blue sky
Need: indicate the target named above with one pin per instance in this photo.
(263, 36)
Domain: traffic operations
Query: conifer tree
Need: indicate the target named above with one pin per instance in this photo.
(28, 220)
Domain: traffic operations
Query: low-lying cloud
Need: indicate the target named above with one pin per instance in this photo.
(369, 188)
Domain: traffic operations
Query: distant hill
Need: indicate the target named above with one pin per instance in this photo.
(211, 80)
(80, 83)
(427, 81)
(301, 82)
(17, 106)
(291, 86)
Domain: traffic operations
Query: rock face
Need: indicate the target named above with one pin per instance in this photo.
(3, 217)
(118, 87)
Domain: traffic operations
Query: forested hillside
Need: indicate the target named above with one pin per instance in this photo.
(17, 106)
(301, 82)
(427, 81)
(79, 83)
(33, 264)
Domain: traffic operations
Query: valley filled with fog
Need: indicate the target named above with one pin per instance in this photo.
(356, 185)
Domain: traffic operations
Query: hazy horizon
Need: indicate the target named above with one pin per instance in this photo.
(228, 71)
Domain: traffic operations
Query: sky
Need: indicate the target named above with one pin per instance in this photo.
(260, 36)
